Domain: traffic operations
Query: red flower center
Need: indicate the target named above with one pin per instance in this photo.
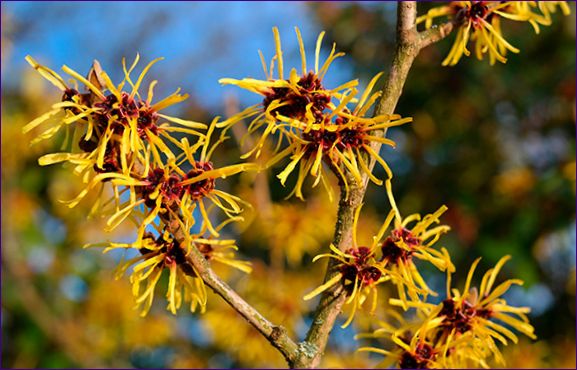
(460, 318)
(350, 138)
(360, 267)
(202, 188)
(169, 188)
(295, 103)
(395, 254)
(475, 13)
(316, 138)
(418, 360)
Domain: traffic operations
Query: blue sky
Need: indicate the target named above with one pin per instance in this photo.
(201, 41)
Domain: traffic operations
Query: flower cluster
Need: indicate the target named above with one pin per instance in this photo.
(114, 130)
(120, 144)
(314, 124)
(159, 251)
(389, 258)
(480, 21)
(169, 190)
(460, 331)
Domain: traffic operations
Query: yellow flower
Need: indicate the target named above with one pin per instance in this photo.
(404, 243)
(157, 255)
(415, 346)
(473, 311)
(359, 271)
(480, 21)
(524, 11)
(342, 139)
(464, 321)
(222, 251)
(391, 258)
(112, 129)
(199, 181)
(477, 20)
(315, 128)
(115, 136)
(162, 252)
(167, 190)
(298, 97)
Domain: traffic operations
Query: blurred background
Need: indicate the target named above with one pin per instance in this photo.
(495, 144)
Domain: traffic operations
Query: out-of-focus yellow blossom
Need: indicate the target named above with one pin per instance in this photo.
(345, 360)
(526, 355)
(109, 320)
(293, 230)
(515, 182)
(36, 95)
(570, 171)
(190, 358)
(277, 300)
(480, 21)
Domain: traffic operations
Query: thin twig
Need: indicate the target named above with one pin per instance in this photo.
(435, 34)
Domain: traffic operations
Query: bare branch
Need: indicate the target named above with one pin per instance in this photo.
(406, 17)
(435, 34)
